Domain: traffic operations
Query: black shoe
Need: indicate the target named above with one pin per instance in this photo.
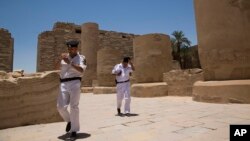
(119, 111)
(73, 136)
(68, 127)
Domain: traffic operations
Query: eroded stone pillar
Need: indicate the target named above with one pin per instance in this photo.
(152, 57)
(46, 51)
(107, 58)
(224, 48)
(223, 36)
(90, 46)
(6, 50)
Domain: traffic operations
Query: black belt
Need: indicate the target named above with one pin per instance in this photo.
(121, 81)
(70, 79)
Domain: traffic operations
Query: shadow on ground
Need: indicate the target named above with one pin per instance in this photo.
(66, 136)
(127, 115)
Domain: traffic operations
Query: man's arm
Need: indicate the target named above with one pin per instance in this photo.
(77, 67)
(64, 56)
(81, 65)
(132, 65)
(115, 71)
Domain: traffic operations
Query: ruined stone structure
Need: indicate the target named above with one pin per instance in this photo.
(6, 50)
(224, 50)
(52, 43)
(191, 58)
(106, 60)
(223, 38)
(180, 82)
(90, 46)
(115, 46)
(149, 89)
(152, 57)
(29, 100)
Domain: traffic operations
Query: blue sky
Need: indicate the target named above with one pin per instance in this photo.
(26, 19)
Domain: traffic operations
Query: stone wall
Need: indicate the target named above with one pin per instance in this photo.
(118, 41)
(180, 82)
(114, 46)
(106, 60)
(29, 100)
(6, 50)
(191, 58)
(52, 43)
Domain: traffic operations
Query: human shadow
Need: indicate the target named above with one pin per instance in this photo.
(131, 115)
(127, 115)
(66, 137)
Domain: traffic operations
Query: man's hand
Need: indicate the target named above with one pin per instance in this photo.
(132, 65)
(65, 58)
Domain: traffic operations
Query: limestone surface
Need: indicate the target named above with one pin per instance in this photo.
(149, 89)
(180, 82)
(230, 91)
(29, 100)
(107, 58)
(6, 50)
(152, 57)
(223, 38)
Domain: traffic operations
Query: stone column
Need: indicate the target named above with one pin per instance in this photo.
(46, 51)
(107, 58)
(223, 36)
(224, 48)
(90, 46)
(6, 50)
(152, 58)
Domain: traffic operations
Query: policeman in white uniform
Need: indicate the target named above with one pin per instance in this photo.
(123, 71)
(72, 67)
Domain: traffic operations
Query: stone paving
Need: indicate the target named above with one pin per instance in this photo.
(153, 119)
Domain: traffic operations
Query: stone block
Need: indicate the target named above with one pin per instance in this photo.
(29, 100)
(231, 91)
(87, 90)
(180, 82)
(104, 90)
(149, 89)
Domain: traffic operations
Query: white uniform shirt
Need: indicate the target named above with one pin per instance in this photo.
(125, 72)
(68, 71)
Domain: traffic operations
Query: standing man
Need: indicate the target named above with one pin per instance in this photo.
(123, 71)
(72, 67)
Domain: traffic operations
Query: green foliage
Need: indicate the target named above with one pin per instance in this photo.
(180, 45)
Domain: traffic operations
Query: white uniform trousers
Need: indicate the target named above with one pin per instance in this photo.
(123, 91)
(70, 95)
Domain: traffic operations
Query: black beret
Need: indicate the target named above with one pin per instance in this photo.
(72, 43)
